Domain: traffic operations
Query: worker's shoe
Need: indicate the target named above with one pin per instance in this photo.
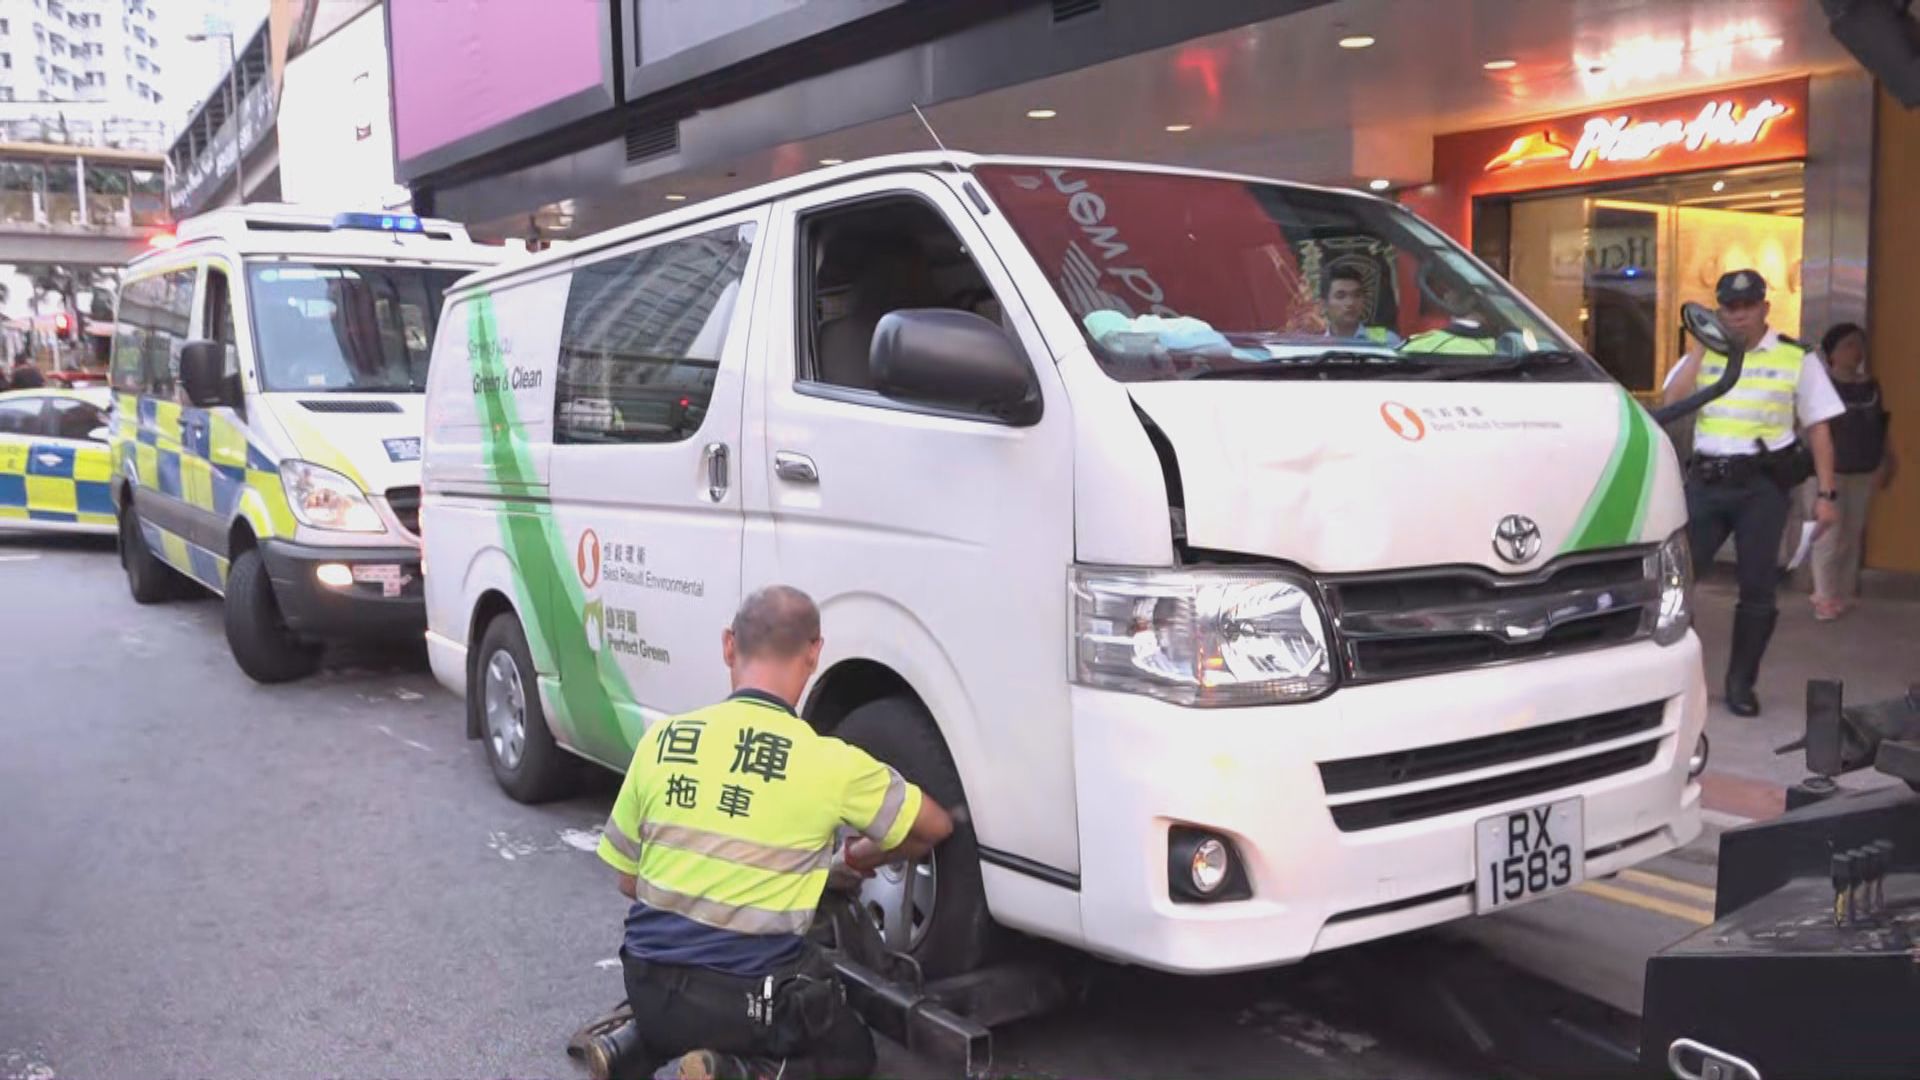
(1751, 632)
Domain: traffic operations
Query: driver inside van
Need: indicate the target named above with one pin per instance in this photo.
(1344, 296)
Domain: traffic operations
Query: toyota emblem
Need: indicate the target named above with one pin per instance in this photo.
(1516, 539)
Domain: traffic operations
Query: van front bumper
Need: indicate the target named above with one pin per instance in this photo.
(384, 599)
(1321, 879)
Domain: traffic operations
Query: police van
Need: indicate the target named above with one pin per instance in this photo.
(1237, 639)
(265, 442)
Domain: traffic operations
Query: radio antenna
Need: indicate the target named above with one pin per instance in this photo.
(929, 126)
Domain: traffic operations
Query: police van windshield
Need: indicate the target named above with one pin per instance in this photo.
(1181, 277)
(355, 328)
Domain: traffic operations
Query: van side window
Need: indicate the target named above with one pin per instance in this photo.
(641, 339)
(154, 316)
(872, 259)
(134, 320)
(219, 319)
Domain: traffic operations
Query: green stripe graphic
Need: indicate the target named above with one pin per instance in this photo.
(1618, 506)
(551, 601)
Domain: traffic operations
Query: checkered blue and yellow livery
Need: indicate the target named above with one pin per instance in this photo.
(55, 483)
(205, 460)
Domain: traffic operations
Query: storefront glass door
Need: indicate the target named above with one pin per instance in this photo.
(1613, 266)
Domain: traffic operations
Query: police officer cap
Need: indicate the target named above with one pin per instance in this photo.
(1741, 287)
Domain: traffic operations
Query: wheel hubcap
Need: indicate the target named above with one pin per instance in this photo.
(505, 702)
(899, 898)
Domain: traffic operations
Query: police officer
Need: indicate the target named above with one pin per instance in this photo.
(723, 836)
(1746, 460)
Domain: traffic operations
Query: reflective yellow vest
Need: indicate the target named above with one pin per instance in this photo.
(1448, 343)
(1379, 334)
(1760, 405)
(728, 815)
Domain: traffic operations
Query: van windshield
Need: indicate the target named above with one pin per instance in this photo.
(345, 327)
(1182, 277)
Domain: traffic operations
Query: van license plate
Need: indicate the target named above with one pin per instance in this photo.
(1529, 853)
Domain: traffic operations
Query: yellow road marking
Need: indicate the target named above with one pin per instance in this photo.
(1658, 905)
(1666, 884)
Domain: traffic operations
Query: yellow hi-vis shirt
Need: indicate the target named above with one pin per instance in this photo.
(1759, 408)
(727, 820)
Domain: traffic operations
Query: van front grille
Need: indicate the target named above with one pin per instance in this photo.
(1428, 762)
(1425, 622)
(1399, 809)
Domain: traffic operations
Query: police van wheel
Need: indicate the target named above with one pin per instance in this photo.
(262, 645)
(528, 765)
(148, 579)
(944, 898)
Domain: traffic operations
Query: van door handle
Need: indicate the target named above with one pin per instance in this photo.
(716, 471)
(798, 468)
(49, 459)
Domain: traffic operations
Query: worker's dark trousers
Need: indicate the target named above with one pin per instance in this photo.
(1754, 510)
(677, 1009)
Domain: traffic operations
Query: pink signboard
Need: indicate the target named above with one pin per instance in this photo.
(463, 68)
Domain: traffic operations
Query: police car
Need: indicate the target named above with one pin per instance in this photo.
(54, 463)
(267, 377)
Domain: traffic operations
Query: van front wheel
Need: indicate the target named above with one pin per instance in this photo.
(262, 644)
(936, 909)
(527, 764)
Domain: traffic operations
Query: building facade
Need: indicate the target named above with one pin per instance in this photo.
(83, 72)
(1610, 159)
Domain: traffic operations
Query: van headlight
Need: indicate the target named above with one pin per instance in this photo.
(324, 499)
(1199, 637)
(1675, 568)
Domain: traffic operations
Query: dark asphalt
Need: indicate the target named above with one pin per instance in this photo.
(204, 877)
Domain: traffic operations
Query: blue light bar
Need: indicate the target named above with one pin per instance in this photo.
(406, 223)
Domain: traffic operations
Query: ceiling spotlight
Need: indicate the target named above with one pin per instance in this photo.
(1177, 128)
(1041, 114)
(833, 161)
(674, 196)
(1773, 195)
(1381, 184)
(1719, 185)
(1356, 41)
(1500, 65)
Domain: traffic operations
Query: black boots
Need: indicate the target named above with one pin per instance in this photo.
(1751, 630)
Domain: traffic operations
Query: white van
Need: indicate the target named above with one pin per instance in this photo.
(1240, 631)
(267, 375)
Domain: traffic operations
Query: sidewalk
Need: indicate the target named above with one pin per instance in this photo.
(1874, 649)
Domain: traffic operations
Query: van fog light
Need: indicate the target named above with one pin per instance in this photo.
(1209, 866)
(1203, 868)
(334, 575)
(1697, 762)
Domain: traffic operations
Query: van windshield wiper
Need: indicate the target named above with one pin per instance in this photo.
(1533, 361)
(1363, 364)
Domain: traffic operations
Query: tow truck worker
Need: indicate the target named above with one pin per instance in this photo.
(1745, 463)
(723, 835)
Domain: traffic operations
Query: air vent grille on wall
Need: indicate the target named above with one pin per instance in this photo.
(653, 140)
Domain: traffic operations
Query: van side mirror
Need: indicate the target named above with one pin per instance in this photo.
(956, 360)
(1706, 327)
(203, 366)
